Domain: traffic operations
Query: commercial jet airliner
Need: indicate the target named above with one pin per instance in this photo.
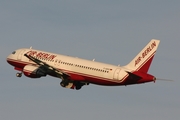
(75, 72)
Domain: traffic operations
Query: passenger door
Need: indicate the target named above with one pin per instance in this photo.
(20, 54)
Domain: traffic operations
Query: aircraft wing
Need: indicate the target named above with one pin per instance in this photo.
(47, 67)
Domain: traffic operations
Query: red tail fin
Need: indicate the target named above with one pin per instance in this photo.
(143, 60)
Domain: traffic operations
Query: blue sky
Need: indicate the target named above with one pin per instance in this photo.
(109, 31)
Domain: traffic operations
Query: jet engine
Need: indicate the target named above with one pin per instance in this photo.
(33, 71)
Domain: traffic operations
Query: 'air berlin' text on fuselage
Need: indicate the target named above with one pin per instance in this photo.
(41, 55)
(145, 53)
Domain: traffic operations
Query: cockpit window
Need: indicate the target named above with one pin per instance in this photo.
(13, 52)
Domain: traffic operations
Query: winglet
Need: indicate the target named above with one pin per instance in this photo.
(143, 60)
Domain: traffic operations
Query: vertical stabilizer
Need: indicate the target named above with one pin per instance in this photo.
(143, 60)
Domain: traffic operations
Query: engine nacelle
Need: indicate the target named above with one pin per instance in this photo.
(33, 71)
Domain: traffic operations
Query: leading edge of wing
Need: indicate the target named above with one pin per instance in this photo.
(46, 66)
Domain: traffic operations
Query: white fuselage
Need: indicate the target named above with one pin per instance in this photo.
(76, 72)
(86, 70)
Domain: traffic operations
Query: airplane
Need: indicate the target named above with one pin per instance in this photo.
(76, 72)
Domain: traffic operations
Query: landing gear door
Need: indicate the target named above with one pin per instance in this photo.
(19, 57)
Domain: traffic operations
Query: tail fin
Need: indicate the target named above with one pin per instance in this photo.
(143, 60)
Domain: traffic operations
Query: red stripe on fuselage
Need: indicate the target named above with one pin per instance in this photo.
(88, 78)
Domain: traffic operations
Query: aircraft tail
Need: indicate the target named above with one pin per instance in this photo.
(143, 60)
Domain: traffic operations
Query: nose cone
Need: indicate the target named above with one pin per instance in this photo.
(8, 59)
(11, 59)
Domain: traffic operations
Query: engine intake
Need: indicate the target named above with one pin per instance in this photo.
(33, 71)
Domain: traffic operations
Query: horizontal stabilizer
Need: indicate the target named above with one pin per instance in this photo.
(132, 78)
